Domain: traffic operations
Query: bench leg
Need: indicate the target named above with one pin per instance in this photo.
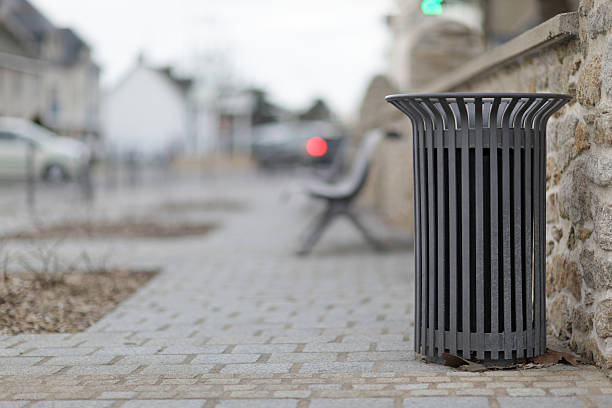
(366, 234)
(321, 224)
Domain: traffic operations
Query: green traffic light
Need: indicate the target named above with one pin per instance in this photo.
(431, 7)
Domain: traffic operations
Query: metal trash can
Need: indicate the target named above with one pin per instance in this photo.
(480, 222)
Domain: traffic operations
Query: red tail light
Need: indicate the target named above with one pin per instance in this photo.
(316, 146)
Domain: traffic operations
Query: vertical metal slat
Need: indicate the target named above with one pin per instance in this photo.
(479, 186)
(494, 224)
(431, 200)
(424, 263)
(507, 232)
(465, 228)
(518, 221)
(452, 224)
(440, 222)
(527, 125)
(417, 226)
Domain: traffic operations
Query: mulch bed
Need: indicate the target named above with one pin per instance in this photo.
(224, 205)
(63, 303)
(118, 229)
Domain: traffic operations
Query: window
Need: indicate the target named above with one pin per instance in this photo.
(6, 136)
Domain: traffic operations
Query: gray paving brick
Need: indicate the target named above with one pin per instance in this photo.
(73, 404)
(225, 358)
(61, 351)
(337, 347)
(8, 352)
(438, 402)
(411, 366)
(117, 395)
(258, 403)
(79, 360)
(177, 369)
(164, 404)
(19, 361)
(540, 402)
(373, 338)
(381, 356)
(303, 339)
(128, 350)
(262, 368)
(352, 403)
(13, 404)
(264, 348)
(152, 359)
(192, 349)
(394, 346)
(102, 369)
(335, 367)
(302, 357)
(29, 371)
(238, 340)
(601, 401)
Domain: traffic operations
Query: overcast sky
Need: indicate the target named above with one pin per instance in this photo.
(296, 50)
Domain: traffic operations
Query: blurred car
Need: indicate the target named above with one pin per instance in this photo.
(56, 158)
(297, 143)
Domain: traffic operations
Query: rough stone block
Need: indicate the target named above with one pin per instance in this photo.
(603, 124)
(596, 269)
(563, 274)
(599, 168)
(606, 72)
(560, 316)
(602, 218)
(599, 20)
(573, 196)
(588, 90)
(582, 320)
(603, 318)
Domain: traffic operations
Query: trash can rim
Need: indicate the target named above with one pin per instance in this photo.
(477, 95)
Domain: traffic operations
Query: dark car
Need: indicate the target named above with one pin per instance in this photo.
(297, 143)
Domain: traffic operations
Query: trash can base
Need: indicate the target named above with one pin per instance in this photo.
(488, 363)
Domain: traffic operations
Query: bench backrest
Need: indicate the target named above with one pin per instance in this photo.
(358, 174)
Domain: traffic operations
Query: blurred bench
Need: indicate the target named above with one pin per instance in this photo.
(339, 196)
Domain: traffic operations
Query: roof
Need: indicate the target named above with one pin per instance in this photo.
(27, 18)
(184, 84)
(72, 45)
(30, 26)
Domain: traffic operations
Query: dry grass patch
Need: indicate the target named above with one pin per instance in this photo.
(115, 229)
(63, 303)
(218, 204)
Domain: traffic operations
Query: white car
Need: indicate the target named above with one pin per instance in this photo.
(55, 158)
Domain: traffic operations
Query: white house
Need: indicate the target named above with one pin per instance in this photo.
(149, 112)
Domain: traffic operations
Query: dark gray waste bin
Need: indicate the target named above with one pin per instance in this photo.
(480, 222)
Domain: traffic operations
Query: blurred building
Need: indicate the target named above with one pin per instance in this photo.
(46, 73)
(239, 113)
(150, 111)
(424, 47)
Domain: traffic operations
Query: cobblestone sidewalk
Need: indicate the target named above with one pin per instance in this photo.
(235, 320)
